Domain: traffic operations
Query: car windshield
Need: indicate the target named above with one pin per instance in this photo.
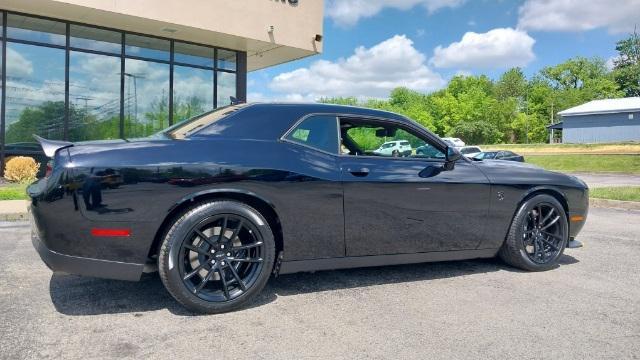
(189, 126)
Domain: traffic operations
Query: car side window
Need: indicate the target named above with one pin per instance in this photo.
(375, 138)
(318, 131)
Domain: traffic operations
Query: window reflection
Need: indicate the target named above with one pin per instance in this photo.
(226, 59)
(35, 29)
(192, 92)
(148, 47)
(35, 93)
(85, 37)
(193, 54)
(35, 81)
(226, 88)
(146, 97)
(94, 96)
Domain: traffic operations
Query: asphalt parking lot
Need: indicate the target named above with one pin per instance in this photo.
(589, 307)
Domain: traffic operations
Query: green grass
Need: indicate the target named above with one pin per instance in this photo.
(630, 193)
(629, 164)
(542, 149)
(13, 192)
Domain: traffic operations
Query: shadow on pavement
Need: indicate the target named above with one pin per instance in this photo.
(79, 296)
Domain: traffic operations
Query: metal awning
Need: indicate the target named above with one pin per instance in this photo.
(557, 126)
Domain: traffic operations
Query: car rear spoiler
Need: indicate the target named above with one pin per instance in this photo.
(51, 146)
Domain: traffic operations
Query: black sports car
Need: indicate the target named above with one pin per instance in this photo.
(219, 202)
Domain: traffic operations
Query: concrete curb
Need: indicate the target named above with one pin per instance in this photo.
(14, 217)
(614, 204)
(14, 210)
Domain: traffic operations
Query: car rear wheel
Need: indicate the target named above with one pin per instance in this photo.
(217, 256)
(538, 235)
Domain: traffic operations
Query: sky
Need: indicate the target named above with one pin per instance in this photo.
(374, 46)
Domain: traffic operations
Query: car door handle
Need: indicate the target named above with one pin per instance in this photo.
(362, 172)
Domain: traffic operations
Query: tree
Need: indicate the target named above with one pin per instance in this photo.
(188, 108)
(46, 120)
(626, 71)
(512, 84)
(579, 80)
(575, 73)
(340, 101)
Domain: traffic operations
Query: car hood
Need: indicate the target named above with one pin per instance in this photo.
(513, 172)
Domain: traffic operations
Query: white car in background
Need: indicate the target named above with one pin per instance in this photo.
(455, 142)
(394, 148)
(470, 151)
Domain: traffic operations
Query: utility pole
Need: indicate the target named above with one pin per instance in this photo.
(135, 78)
(526, 118)
(551, 139)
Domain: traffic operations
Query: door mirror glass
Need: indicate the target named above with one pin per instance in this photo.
(453, 155)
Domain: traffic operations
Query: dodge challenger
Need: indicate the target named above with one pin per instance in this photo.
(220, 202)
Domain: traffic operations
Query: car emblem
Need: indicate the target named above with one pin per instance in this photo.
(500, 195)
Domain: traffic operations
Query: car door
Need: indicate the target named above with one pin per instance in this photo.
(410, 204)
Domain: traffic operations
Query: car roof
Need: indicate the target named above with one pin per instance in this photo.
(269, 121)
(333, 108)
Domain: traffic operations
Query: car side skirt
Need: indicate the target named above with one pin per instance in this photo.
(289, 267)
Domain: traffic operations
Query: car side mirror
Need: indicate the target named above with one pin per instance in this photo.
(453, 155)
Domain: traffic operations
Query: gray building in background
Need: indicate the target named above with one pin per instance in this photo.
(601, 121)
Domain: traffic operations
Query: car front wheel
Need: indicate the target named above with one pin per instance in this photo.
(217, 256)
(538, 235)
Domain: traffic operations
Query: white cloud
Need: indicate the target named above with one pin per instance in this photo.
(368, 73)
(610, 63)
(579, 15)
(348, 12)
(497, 48)
(257, 97)
(18, 65)
(463, 73)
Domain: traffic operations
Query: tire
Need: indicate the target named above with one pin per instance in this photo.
(210, 273)
(523, 239)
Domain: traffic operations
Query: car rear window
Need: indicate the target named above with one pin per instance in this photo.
(319, 132)
(189, 126)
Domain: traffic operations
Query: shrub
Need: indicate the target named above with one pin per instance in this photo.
(21, 169)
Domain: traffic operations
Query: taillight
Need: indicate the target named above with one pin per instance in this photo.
(49, 168)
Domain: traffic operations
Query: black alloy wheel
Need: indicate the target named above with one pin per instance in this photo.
(538, 235)
(542, 234)
(217, 256)
(221, 257)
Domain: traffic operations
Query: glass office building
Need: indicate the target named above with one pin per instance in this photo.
(70, 81)
(81, 70)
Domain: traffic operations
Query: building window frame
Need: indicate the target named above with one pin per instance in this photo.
(240, 68)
